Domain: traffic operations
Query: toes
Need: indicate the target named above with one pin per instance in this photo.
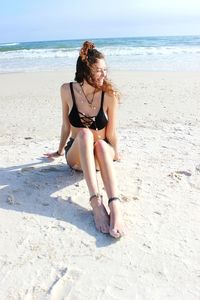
(115, 233)
(101, 219)
(105, 229)
(98, 227)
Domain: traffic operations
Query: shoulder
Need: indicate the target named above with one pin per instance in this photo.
(111, 100)
(65, 87)
(65, 90)
(65, 93)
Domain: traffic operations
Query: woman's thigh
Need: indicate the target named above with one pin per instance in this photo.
(102, 147)
(73, 157)
(84, 137)
(73, 154)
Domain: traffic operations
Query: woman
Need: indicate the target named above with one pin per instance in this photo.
(89, 107)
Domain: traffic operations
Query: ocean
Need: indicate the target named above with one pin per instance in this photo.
(175, 53)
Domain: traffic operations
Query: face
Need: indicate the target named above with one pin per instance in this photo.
(99, 72)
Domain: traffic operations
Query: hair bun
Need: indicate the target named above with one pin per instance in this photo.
(85, 48)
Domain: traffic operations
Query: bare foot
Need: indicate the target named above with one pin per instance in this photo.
(117, 228)
(101, 217)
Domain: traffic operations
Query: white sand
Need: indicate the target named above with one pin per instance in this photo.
(49, 248)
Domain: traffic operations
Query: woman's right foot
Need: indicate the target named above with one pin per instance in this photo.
(101, 217)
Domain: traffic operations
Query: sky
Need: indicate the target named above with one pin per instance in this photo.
(39, 20)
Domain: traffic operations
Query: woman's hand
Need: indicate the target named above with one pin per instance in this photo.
(53, 155)
(118, 156)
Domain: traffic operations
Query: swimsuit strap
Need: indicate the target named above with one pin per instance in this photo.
(72, 92)
(102, 99)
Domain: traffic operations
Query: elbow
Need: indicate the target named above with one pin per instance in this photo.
(66, 127)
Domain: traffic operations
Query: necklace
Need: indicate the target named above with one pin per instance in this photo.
(88, 100)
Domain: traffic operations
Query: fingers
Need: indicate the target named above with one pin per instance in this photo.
(51, 155)
(118, 157)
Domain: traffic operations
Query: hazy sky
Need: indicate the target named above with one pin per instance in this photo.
(23, 20)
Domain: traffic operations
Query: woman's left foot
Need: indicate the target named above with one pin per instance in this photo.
(117, 227)
(101, 217)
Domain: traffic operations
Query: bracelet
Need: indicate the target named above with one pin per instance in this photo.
(99, 196)
(58, 153)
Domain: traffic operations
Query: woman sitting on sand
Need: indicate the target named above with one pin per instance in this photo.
(89, 107)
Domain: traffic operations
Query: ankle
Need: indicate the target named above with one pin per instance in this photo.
(113, 200)
(96, 200)
(115, 206)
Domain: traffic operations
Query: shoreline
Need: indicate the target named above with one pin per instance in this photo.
(69, 70)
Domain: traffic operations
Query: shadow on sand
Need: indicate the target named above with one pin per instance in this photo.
(29, 188)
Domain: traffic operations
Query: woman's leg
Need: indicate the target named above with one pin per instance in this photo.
(81, 156)
(104, 155)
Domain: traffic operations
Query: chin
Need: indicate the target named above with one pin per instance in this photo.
(99, 83)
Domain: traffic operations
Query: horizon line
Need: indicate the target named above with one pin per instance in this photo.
(102, 38)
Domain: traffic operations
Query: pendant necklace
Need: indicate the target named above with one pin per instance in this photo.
(89, 101)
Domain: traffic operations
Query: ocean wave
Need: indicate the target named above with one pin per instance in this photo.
(128, 51)
(108, 51)
(38, 53)
(9, 44)
(142, 53)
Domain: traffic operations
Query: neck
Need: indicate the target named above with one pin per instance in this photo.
(88, 89)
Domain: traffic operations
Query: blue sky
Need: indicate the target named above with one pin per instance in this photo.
(36, 20)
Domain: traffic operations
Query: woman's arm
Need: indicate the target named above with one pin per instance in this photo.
(111, 133)
(65, 129)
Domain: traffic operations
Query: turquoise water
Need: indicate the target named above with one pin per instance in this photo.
(178, 53)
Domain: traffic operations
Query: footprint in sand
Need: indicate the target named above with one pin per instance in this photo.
(27, 169)
(177, 175)
(135, 192)
(127, 198)
(61, 288)
(197, 169)
(11, 199)
(186, 173)
(44, 170)
(194, 181)
(50, 169)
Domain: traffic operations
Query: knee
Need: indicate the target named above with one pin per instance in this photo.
(100, 148)
(85, 135)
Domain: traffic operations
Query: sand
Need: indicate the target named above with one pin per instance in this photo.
(49, 247)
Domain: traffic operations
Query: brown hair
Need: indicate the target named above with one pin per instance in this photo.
(88, 56)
